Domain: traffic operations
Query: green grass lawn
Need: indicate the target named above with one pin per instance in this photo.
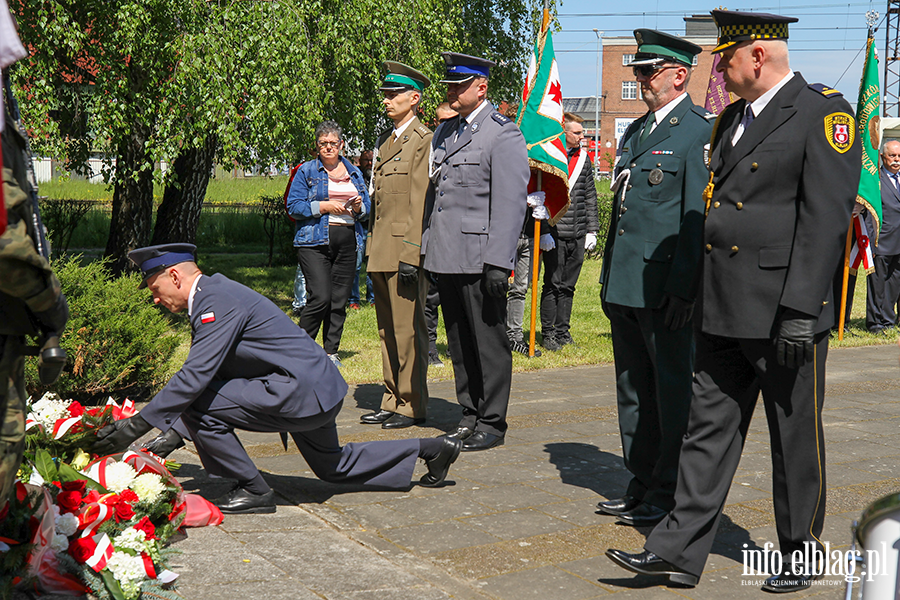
(220, 191)
(360, 350)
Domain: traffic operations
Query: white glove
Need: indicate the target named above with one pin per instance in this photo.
(590, 241)
(547, 242)
(540, 213)
(536, 199)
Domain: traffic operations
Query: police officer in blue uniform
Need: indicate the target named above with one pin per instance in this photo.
(651, 272)
(250, 367)
(785, 165)
(475, 207)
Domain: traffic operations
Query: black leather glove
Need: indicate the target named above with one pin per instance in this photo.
(678, 311)
(496, 281)
(409, 275)
(54, 319)
(117, 436)
(794, 343)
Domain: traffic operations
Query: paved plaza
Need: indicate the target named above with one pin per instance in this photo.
(519, 522)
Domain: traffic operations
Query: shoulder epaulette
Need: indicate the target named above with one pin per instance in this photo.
(703, 112)
(422, 130)
(500, 118)
(825, 90)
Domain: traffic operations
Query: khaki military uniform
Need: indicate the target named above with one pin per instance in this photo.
(400, 182)
(25, 280)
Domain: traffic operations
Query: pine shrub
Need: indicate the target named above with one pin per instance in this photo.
(117, 342)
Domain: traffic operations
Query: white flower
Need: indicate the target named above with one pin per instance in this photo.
(48, 409)
(131, 538)
(59, 544)
(148, 487)
(66, 524)
(128, 571)
(119, 476)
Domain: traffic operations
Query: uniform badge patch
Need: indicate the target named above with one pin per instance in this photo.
(839, 129)
(209, 317)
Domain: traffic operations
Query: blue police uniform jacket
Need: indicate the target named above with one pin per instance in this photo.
(248, 353)
(310, 187)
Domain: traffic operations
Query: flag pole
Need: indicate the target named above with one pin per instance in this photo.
(845, 281)
(536, 251)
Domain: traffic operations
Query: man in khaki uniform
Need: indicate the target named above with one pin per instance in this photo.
(399, 183)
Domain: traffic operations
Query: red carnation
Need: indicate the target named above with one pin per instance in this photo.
(82, 549)
(129, 496)
(92, 496)
(76, 409)
(124, 512)
(69, 501)
(147, 527)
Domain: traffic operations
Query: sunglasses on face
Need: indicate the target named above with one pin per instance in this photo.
(650, 70)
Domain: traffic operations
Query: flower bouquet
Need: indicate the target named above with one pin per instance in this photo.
(92, 525)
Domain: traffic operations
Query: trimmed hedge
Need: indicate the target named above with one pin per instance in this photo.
(116, 340)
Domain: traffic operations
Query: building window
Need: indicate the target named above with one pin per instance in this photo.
(629, 90)
(627, 58)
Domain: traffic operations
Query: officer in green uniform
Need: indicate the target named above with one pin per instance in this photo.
(785, 163)
(30, 302)
(651, 270)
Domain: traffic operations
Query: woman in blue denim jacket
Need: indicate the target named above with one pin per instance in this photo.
(329, 201)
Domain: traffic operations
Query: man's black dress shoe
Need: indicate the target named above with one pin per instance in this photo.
(788, 582)
(240, 501)
(482, 440)
(398, 421)
(439, 466)
(461, 433)
(165, 444)
(643, 514)
(376, 418)
(647, 563)
(617, 506)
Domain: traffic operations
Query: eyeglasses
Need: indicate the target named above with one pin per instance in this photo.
(329, 144)
(649, 70)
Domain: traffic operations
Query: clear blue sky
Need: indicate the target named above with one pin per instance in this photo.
(824, 44)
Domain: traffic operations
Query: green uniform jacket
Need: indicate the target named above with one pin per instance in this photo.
(24, 273)
(654, 244)
(398, 199)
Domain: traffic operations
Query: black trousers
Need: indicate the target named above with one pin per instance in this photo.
(882, 293)
(730, 374)
(562, 266)
(479, 349)
(432, 304)
(329, 271)
(654, 369)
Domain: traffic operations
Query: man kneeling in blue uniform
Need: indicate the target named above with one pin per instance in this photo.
(250, 367)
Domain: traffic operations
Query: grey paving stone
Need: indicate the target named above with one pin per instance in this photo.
(281, 589)
(430, 538)
(427, 510)
(517, 524)
(542, 583)
(506, 497)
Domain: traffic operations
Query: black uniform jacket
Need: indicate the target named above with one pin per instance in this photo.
(778, 216)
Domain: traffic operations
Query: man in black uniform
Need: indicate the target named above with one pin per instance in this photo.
(785, 164)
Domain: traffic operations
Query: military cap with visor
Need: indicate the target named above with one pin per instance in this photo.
(656, 47)
(735, 26)
(462, 67)
(154, 259)
(400, 78)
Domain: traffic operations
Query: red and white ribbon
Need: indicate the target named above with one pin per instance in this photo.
(92, 516)
(64, 425)
(102, 552)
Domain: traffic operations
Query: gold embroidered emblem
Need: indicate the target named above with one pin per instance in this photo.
(839, 129)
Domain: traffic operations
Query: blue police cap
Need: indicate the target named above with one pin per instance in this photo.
(462, 67)
(153, 259)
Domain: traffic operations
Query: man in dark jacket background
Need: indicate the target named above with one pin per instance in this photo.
(573, 234)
